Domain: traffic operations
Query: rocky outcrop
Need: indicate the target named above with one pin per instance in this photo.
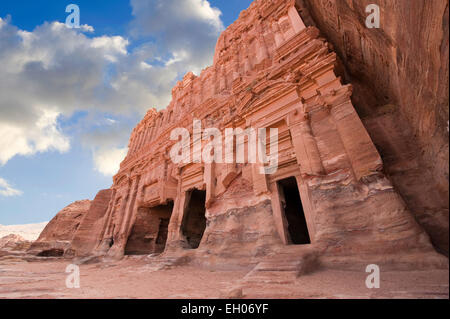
(59, 232)
(324, 187)
(91, 225)
(400, 77)
(329, 189)
(14, 243)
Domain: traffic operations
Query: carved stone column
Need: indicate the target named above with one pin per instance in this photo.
(296, 20)
(260, 184)
(222, 78)
(106, 234)
(279, 38)
(305, 146)
(121, 237)
(209, 177)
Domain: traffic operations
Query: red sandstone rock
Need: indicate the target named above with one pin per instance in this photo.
(59, 232)
(401, 80)
(91, 225)
(14, 242)
(329, 193)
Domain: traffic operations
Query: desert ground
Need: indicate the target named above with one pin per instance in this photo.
(137, 277)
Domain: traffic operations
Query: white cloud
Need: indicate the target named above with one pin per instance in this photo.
(87, 28)
(51, 72)
(110, 121)
(187, 29)
(112, 46)
(44, 135)
(8, 191)
(145, 65)
(47, 73)
(178, 56)
(107, 161)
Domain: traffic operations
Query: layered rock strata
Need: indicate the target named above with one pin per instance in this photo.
(400, 77)
(328, 192)
(57, 236)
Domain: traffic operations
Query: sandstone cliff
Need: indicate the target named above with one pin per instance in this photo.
(59, 232)
(348, 182)
(90, 226)
(400, 77)
(14, 243)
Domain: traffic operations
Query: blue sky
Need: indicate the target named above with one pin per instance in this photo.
(69, 98)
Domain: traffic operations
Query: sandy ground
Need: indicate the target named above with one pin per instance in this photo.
(134, 278)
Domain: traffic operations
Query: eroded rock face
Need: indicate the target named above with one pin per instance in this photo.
(14, 243)
(91, 225)
(329, 189)
(59, 232)
(272, 71)
(400, 78)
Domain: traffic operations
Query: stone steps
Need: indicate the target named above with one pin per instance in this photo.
(282, 268)
(274, 272)
(168, 262)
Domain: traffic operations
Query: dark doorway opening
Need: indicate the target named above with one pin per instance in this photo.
(54, 252)
(150, 230)
(293, 211)
(163, 231)
(194, 222)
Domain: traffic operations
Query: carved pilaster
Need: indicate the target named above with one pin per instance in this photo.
(306, 150)
(296, 20)
(209, 177)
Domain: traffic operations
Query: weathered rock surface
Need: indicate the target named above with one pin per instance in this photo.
(329, 194)
(59, 232)
(134, 278)
(400, 76)
(14, 242)
(90, 226)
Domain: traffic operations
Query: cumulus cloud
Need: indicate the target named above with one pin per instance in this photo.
(44, 135)
(46, 74)
(187, 29)
(107, 161)
(107, 140)
(87, 28)
(52, 72)
(6, 189)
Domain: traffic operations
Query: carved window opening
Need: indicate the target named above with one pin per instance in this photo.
(292, 208)
(194, 221)
(149, 233)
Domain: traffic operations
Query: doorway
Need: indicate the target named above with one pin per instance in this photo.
(194, 221)
(292, 208)
(150, 230)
